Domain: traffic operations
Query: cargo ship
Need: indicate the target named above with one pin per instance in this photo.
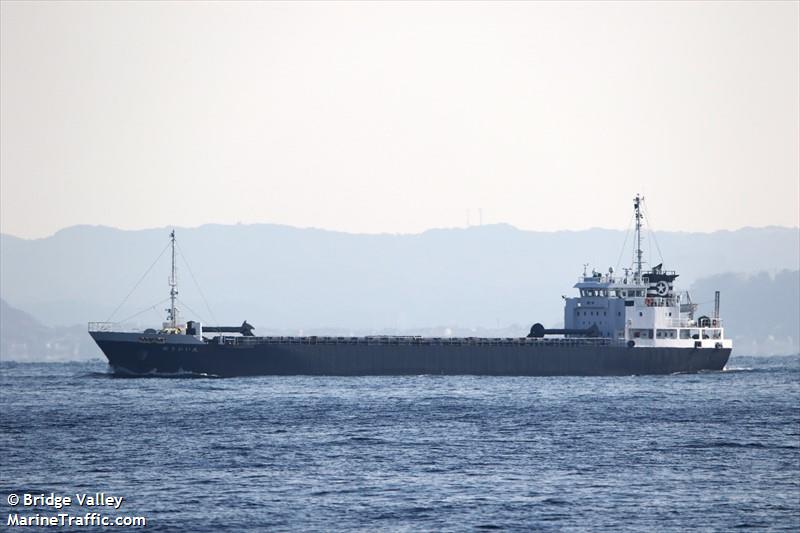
(631, 323)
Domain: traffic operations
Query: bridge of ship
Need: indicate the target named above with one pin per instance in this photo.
(623, 308)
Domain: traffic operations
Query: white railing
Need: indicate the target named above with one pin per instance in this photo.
(103, 326)
(686, 323)
(659, 301)
(112, 326)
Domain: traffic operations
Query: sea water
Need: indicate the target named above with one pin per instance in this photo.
(714, 450)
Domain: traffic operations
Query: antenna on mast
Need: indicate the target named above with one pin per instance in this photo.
(173, 286)
(638, 214)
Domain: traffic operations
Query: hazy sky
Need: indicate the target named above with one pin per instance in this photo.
(373, 117)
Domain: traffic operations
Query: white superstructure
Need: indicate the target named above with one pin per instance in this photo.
(642, 307)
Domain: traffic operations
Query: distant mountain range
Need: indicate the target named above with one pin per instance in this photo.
(23, 338)
(283, 279)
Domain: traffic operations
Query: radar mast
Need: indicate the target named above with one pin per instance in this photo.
(638, 213)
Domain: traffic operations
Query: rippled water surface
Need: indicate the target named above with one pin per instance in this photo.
(717, 450)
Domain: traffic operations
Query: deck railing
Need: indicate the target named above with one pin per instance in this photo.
(103, 326)
(661, 301)
(418, 341)
(112, 326)
(686, 323)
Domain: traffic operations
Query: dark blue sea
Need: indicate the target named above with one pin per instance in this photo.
(716, 451)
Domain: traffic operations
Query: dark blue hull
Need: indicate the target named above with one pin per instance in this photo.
(499, 357)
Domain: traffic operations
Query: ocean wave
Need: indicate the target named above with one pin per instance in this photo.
(120, 372)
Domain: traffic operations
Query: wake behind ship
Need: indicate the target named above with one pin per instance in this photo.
(634, 323)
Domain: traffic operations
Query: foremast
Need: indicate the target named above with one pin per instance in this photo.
(172, 312)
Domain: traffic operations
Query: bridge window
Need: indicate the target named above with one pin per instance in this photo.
(642, 333)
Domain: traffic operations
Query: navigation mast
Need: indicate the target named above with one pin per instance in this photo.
(173, 286)
(636, 203)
